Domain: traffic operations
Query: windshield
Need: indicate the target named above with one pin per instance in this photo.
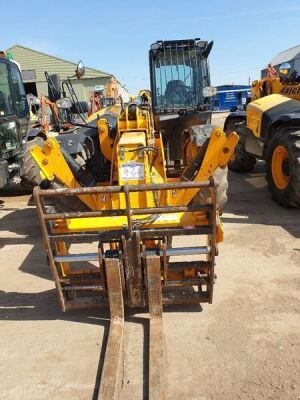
(6, 107)
(179, 77)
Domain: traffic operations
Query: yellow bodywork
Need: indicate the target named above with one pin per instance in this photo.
(137, 157)
(256, 108)
(267, 86)
(218, 154)
(267, 93)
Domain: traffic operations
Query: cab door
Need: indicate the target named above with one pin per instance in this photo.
(9, 139)
(19, 102)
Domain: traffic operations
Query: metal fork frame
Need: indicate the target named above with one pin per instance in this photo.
(125, 235)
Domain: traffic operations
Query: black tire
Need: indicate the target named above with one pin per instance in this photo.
(31, 176)
(221, 179)
(69, 204)
(289, 139)
(232, 123)
(243, 161)
(66, 204)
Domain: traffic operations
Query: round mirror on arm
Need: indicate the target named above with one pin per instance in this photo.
(80, 70)
(285, 69)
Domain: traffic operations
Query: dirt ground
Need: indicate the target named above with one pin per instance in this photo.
(246, 345)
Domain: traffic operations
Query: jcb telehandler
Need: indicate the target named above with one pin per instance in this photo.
(269, 129)
(158, 184)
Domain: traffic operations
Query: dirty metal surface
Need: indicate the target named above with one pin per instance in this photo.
(111, 376)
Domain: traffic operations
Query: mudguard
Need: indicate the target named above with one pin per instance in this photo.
(236, 115)
(289, 118)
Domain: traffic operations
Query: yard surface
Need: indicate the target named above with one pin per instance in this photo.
(246, 345)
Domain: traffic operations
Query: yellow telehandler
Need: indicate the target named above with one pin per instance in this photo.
(269, 130)
(150, 193)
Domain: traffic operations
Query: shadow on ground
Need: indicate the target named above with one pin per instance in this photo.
(251, 203)
(17, 306)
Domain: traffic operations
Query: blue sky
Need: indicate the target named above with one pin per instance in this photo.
(115, 36)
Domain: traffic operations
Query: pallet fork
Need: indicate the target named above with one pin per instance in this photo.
(111, 376)
(134, 265)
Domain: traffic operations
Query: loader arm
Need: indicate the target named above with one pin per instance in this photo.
(216, 153)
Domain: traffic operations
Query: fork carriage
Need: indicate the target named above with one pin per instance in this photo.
(133, 236)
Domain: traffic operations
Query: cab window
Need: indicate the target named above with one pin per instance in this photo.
(19, 94)
(6, 107)
(179, 78)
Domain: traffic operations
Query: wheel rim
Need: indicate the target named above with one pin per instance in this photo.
(280, 167)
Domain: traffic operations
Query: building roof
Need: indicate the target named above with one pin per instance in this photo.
(233, 87)
(287, 55)
(30, 59)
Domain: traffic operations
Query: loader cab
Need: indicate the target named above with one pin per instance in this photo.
(14, 118)
(179, 72)
(181, 92)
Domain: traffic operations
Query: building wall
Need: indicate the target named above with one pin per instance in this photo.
(34, 64)
(296, 65)
(88, 86)
(34, 60)
(291, 56)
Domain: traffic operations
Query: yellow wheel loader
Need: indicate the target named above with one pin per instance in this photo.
(269, 130)
(147, 193)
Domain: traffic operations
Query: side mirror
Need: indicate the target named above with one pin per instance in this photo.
(209, 91)
(208, 49)
(80, 70)
(65, 103)
(285, 69)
